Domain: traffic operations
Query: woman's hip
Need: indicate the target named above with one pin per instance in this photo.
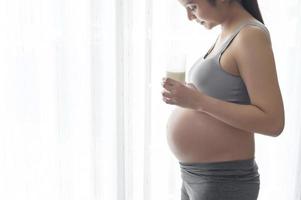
(235, 171)
(237, 179)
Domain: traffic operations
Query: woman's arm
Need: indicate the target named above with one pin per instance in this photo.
(246, 117)
(255, 60)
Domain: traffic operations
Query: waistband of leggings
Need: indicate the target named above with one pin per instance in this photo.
(231, 164)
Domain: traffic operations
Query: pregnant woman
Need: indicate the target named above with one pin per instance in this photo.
(231, 93)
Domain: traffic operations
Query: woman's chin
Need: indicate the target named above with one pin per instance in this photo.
(208, 25)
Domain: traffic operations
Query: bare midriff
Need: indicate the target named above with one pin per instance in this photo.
(195, 136)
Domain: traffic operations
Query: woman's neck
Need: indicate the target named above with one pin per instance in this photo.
(237, 16)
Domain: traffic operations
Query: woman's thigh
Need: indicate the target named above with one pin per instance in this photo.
(184, 194)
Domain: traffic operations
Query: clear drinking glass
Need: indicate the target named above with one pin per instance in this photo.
(176, 66)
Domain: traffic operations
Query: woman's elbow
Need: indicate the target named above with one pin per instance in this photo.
(278, 127)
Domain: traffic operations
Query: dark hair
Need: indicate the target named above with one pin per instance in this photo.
(249, 5)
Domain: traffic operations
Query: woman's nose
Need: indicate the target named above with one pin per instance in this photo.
(190, 15)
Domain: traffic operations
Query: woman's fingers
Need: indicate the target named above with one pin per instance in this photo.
(166, 93)
(169, 90)
(170, 81)
(169, 100)
(169, 84)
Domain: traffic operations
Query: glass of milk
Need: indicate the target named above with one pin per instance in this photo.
(176, 66)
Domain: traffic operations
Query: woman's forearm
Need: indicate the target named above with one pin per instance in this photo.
(246, 117)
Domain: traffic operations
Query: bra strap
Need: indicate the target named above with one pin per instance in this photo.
(232, 36)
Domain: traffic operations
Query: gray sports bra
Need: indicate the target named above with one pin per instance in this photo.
(209, 77)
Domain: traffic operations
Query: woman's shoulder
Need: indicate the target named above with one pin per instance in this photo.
(255, 30)
(253, 33)
(251, 43)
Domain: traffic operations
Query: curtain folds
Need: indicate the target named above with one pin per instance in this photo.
(47, 145)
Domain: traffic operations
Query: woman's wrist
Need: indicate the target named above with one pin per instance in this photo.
(200, 105)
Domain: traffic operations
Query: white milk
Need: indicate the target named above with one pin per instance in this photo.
(179, 76)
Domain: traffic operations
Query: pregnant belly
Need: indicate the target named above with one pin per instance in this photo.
(198, 137)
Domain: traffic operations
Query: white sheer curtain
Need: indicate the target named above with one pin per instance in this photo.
(47, 140)
(80, 103)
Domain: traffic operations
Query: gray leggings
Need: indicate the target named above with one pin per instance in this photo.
(227, 180)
